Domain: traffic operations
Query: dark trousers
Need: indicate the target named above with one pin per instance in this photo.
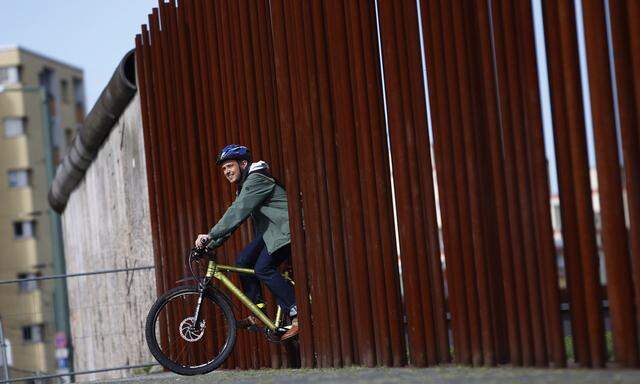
(256, 256)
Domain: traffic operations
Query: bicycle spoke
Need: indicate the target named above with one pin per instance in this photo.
(180, 353)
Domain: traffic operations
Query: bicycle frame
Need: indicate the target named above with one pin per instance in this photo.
(215, 270)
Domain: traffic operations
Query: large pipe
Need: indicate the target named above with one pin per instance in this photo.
(95, 129)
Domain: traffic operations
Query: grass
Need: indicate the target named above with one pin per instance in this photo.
(608, 339)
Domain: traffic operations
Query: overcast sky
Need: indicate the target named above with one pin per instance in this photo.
(90, 34)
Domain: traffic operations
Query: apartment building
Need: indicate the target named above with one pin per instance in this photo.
(41, 107)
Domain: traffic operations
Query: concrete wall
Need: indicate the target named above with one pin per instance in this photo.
(106, 226)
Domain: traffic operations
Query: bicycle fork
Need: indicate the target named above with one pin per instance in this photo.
(202, 287)
(196, 316)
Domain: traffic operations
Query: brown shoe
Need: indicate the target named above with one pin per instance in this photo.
(247, 322)
(293, 331)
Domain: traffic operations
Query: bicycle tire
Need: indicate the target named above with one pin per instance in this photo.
(212, 301)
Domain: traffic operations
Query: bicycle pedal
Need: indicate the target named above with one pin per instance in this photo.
(253, 328)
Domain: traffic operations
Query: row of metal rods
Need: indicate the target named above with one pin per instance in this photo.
(302, 85)
(178, 119)
(324, 96)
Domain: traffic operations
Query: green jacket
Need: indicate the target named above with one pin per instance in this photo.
(266, 201)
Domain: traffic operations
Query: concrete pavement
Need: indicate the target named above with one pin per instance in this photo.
(449, 374)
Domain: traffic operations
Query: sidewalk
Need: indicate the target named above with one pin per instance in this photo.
(438, 375)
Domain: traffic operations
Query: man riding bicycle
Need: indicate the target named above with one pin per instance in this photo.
(260, 196)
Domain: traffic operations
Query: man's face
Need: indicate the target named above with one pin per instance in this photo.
(232, 170)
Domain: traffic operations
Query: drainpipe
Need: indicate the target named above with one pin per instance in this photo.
(60, 299)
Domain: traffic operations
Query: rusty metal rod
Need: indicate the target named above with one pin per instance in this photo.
(580, 250)
(344, 124)
(338, 258)
(393, 64)
(291, 176)
(437, 71)
(534, 141)
(468, 148)
(626, 51)
(389, 265)
(614, 233)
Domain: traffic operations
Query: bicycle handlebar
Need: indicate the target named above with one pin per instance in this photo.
(202, 251)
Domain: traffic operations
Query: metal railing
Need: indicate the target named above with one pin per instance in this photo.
(76, 373)
(17, 326)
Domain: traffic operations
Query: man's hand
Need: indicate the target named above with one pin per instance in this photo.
(202, 240)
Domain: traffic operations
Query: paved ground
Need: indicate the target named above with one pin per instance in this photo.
(399, 375)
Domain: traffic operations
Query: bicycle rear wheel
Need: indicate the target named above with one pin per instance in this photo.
(184, 345)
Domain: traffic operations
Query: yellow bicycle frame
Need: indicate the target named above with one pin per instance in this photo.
(215, 270)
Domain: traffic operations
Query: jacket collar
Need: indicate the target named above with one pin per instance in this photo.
(257, 167)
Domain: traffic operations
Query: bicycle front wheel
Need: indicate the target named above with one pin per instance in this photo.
(184, 344)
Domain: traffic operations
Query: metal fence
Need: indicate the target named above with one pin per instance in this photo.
(332, 94)
(41, 344)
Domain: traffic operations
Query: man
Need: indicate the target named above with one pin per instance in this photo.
(260, 196)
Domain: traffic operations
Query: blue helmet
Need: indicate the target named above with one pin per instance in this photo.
(233, 152)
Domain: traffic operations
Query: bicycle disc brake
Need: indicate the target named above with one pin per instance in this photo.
(191, 332)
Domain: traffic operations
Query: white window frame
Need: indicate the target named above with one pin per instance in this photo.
(19, 178)
(36, 333)
(28, 286)
(9, 75)
(27, 227)
(13, 119)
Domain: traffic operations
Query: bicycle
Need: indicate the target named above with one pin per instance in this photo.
(191, 329)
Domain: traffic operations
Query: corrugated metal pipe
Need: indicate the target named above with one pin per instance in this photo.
(96, 128)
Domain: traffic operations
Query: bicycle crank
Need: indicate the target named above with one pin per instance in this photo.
(274, 336)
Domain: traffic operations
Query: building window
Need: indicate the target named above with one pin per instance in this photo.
(4, 75)
(78, 90)
(14, 126)
(28, 285)
(19, 178)
(9, 75)
(64, 90)
(24, 229)
(33, 333)
(45, 79)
